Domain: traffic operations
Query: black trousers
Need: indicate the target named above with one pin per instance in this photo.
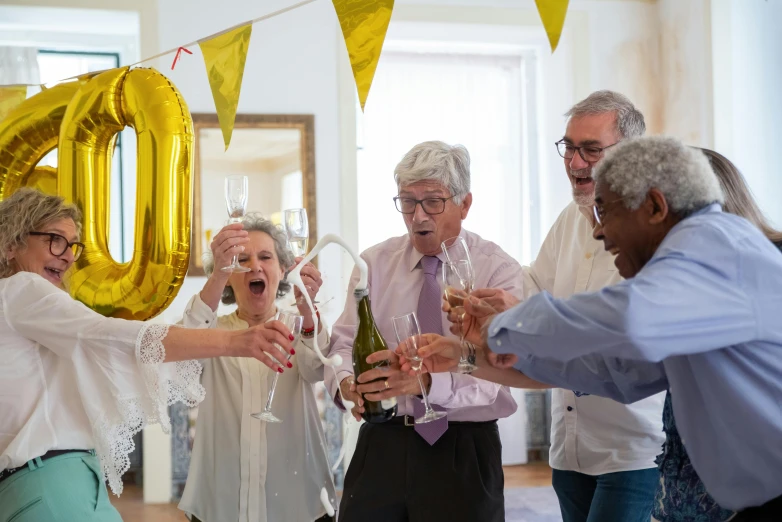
(396, 476)
(771, 511)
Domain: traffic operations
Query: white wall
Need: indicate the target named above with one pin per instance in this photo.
(747, 102)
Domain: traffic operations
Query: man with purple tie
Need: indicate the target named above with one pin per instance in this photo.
(450, 469)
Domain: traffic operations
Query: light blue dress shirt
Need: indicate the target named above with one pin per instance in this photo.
(703, 318)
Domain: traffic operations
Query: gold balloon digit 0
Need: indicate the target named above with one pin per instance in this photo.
(82, 120)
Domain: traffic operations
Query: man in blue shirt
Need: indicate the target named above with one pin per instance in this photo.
(698, 314)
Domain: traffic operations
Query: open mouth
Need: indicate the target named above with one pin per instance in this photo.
(257, 286)
(54, 273)
(583, 181)
(424, 233)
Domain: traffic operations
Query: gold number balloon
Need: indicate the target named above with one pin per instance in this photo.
(27, 134)
(97, 110)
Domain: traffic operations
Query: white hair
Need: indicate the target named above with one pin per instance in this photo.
(446, 164)
(629, 120)
(681, 173)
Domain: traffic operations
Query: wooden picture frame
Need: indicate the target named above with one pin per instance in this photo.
(206, 128)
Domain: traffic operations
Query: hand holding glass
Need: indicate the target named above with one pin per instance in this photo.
(297, 230)
(458, 283)
(236, 189)
(293, 323)
(408, 333)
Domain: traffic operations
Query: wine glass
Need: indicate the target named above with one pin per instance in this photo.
(292, 322)
(455, 249)
(408, 333)
(458, 283)
(297, 229)
(236, 202)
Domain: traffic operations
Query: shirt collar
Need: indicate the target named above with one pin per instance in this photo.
(414, 256)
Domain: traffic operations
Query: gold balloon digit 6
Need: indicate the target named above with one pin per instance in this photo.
(146, 101)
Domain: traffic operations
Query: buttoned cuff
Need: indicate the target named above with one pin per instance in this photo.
(441, 390)
(199, 314)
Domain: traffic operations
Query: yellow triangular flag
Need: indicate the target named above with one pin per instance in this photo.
(552, 14)
(224, 56)
(364, 24)
(10, 97)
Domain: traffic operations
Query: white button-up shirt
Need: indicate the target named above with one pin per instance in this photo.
(246, 470)
(73, 379)
(590, 434)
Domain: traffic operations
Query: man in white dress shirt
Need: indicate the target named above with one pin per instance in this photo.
(602, 452)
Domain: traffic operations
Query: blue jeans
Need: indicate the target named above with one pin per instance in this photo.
(625, 496)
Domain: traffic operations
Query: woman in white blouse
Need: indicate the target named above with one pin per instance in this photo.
(76, 386)
(243, 469)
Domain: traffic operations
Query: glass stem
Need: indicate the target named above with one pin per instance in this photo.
(423, 391)
(462, 356)
(268, 406)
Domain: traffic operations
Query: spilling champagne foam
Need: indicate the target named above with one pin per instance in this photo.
(294, 277)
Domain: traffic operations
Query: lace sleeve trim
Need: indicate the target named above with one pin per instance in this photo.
(165, 384)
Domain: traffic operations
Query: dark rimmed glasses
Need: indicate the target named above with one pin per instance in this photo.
(58, 245)
(431, 206)
(587, 153)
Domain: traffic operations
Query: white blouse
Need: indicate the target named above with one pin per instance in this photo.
(243, 469)
(73, 379)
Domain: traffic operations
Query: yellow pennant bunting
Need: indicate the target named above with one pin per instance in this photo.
(10, 97)
(552, 14)
(225, 56)
(364, 24)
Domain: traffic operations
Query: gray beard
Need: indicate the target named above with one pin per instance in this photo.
(581, 199)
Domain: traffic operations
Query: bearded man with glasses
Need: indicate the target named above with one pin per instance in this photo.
(602, 452)
(449, 469)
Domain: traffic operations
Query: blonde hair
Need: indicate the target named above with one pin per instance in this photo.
(28, 210)
(738, 197)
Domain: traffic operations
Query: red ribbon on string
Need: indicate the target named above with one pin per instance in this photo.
(178, 53)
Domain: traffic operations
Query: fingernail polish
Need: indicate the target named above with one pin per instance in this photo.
(291, 337)
(293, 352)
(290, 365)
(279, 370)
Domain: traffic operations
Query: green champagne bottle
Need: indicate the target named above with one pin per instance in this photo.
(368, 340)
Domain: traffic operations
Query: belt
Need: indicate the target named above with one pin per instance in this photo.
(4, 474)
(409, 420)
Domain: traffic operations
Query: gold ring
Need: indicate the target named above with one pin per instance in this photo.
(387, 386)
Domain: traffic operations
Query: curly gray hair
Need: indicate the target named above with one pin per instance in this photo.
(28, 210)
(681, 173)
(436, 161)
(255, 222)
(629, 120)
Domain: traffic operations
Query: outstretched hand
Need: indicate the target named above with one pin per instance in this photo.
(470, 319)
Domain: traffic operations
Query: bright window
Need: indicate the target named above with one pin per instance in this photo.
(477, 100)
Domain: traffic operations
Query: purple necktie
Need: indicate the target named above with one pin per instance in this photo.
(430, 318)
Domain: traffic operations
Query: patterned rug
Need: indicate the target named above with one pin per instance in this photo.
(531, 505)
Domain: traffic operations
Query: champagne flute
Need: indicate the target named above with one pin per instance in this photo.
(292, 322)
(408, 333)
(236, 201)
(458, 283)
(456, 249)
(297, 230)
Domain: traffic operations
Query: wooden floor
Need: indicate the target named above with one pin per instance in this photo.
(132, 508)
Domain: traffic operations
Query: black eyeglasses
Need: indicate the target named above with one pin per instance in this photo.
(58, 245)
(430, 205)
(588, 154)
(599, 210)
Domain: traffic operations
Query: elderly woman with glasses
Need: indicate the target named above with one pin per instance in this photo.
(243, 468)
(76, 386)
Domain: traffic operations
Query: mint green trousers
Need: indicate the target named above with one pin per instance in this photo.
(65, 488)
